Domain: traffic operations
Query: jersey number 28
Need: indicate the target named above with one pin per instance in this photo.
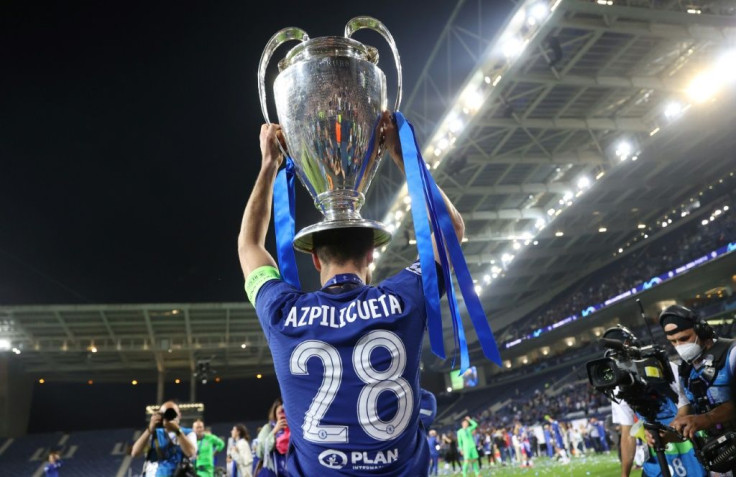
(376, 382)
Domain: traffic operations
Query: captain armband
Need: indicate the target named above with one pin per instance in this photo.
(257, 278)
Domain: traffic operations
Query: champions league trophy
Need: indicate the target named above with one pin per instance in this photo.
(329, 95)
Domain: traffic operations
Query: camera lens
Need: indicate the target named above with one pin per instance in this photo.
(170, 414)
(605, 374)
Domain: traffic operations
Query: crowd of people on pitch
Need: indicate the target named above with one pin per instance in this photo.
(580, 397)
(689, 242)
(497, 442)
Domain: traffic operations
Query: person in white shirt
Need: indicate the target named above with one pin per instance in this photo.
(240, 451)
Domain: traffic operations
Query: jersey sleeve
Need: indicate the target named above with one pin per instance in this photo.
(676, 386)
(274, 296)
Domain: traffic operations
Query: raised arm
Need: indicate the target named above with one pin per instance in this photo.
(140, 444)
(473, 425)
(393, 146)
(187, 442)
(257, 216)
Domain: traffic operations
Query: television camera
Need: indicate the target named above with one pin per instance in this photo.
(642, 377)
(639, 375)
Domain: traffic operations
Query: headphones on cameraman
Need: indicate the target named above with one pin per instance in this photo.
(701, 327)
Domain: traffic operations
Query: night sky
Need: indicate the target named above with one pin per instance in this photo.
(129, 139)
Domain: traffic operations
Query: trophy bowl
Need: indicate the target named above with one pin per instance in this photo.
(329, 95)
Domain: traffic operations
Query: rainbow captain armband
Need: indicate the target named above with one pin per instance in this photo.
(257, 278)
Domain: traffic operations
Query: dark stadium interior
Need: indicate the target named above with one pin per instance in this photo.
(589, 174)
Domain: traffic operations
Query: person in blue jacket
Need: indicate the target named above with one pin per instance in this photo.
(52, 468)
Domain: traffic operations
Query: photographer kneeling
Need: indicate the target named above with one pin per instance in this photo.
(665, 401)
(707, 379)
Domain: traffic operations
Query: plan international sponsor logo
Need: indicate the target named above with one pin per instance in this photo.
(333, 459)
(359, 460)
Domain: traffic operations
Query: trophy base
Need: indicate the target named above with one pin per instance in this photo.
(303, 240)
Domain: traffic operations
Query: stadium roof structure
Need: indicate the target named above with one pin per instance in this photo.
(119, 342)
(577, 130)
(582, 129)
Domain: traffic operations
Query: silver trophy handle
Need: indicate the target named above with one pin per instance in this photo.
(360, 23)
(278, 39)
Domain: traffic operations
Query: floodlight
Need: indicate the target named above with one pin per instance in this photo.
(702, 87)
(623, 149)
(455, 124)
(672, 110)
(538, 11)
(472, 99)
(512, 47)
(724, 66)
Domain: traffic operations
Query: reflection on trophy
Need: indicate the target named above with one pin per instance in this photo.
(329, 95)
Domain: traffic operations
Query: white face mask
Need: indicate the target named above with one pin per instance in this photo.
(689, 351)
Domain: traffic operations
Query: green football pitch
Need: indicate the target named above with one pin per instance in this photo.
(604, 465)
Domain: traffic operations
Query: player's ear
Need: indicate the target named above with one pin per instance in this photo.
(316, 262)
(369, 256)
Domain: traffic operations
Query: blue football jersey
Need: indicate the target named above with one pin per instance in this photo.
(348, 369)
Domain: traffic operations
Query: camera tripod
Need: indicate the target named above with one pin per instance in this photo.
(654, 428)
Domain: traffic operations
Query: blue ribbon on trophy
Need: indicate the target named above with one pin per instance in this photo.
(284, 198)
(326, 131)
(423, 190)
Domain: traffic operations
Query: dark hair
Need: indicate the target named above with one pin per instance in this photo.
(272, 410)
(242, 431)
(340, 246)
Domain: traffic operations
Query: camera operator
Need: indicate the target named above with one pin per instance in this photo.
(707, 379)
(171, 443)
(680, 456)
(708, 366)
